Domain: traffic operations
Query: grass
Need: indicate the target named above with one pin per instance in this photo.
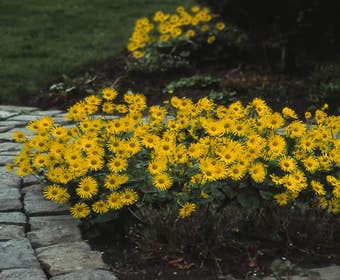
(41, 40)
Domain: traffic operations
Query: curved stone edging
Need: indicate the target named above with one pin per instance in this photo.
(39, 240)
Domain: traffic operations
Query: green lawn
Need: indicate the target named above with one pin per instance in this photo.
(43, 39)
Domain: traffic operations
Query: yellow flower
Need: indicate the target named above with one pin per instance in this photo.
(295, 129)
(162, 181)
(287, 164)
(289, 113)
(211, 39)
(281, 198)
(56, 193)
(87, 187)
(220, 25)
(236, 172)
(308, 115)
(187, 209)
(80, 210)
(138, 54)
(117, 164)
(157, 166)
(100, 207)
(114, 181)
(258, 172)
(19, 136)
(109, 94)
(129, 196)
(114, 201)
(307, 143)
(94, 163)
(311, 164)
(276, 145)
(318, 187)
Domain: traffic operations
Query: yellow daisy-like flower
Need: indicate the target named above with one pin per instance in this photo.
(295, 129)
(187, 209)
(87, 187)
(95, 163)
(157, 166)
(211, 39)
(129, 196)
(287, 164)
(80, 210)
(114, 201)
(109, 93)
(114, 181)
(100, 207)
(117, 164)
(318, 187)
(236, 172)
(289, 113)
(162, 181)
(220, 26)
(311, 164)
(56, 193)
(19, 136)
(281, 198)
(258, 172)
(276, 144)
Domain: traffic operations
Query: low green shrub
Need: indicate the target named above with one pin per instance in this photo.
(185, 155)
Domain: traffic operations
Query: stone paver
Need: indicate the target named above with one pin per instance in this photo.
(23, 274)
(88, 274)
(18, 109)
(41, 222)
(9, 199)
(13, 218)
(68, 257)
(36, 205)
(54, 235)
(10, 232)
(17, 254)
(323, 273)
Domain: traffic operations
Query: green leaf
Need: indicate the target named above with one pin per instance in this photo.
(266, 195)
(248, 199)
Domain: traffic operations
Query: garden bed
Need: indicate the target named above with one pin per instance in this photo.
(247, 251)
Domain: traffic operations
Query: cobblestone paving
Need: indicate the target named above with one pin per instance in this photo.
(39, 240)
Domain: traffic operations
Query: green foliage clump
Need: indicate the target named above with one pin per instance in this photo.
(196, 81)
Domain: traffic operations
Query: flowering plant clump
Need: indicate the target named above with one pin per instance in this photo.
(185, 154)
(166, 31)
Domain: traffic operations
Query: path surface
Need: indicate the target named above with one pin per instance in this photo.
(39, 240)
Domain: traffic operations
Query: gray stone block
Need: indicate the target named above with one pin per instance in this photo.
(69, 257)
(54, 235)
(36, 205)
(23, 274)
(42, 222)
(17, 254)
(5, 114)
(9, 232)
(12, 218)
(88, 274)
(9, 199)
(19, 109)
(6, 159)
(25, 118)
(8, 178)
(10, 147)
